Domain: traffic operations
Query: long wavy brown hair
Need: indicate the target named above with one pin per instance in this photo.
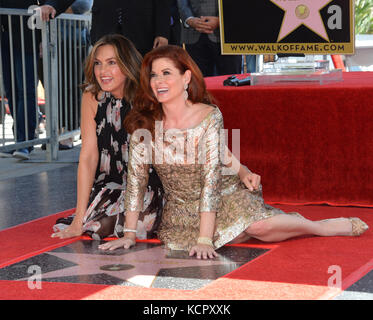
(146, 109)
(129, 62)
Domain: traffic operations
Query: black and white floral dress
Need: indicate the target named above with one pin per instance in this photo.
(105, 214)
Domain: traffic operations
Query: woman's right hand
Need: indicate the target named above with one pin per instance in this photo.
(73, 230)
(203, 251)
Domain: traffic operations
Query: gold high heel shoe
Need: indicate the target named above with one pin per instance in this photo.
(358, 226)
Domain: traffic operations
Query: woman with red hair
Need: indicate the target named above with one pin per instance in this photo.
(176, 128)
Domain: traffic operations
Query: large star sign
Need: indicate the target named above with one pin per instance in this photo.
(298, 12)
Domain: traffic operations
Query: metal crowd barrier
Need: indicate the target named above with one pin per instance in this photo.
(58, 65)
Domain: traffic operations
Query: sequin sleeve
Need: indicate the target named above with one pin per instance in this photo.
(139, 160)
(212, 165)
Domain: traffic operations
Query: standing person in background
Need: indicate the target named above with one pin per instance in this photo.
(71, 68)
(145, 22)
(72, 74)
(201, 35)
(49, 9)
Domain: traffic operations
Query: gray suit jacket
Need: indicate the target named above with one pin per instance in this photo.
(197, 8)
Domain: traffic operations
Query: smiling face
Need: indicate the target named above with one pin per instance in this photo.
(107, 71)
(166, 80)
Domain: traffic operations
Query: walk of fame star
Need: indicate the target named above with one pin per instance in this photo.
(306, 12)
(145, 265)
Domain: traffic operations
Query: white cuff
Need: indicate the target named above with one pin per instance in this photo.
(186, 25)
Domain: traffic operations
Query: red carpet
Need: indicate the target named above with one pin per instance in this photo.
(29, 239)
(294, 269)
(310, 143)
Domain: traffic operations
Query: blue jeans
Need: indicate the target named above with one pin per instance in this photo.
(19, 102)
(250, 63)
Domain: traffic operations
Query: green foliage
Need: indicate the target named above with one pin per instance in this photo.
(363, 16)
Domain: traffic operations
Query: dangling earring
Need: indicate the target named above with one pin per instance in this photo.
(186, 95)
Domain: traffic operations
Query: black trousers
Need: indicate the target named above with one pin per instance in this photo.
(207, 55)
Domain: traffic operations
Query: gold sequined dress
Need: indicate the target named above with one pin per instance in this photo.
(190, 166)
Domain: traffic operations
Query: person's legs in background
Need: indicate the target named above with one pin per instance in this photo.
(175, 27)
(19, 128)
(30, 99)
(6, 80)
(250, 63)
(201, 54)
(207, 55)
(225, 64)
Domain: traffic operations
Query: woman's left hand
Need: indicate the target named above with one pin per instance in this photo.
(124, 242)
(203, 251)
(250, 179)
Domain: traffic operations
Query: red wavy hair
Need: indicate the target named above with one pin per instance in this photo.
(146, 109)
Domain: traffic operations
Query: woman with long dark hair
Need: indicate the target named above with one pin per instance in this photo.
(112, 78)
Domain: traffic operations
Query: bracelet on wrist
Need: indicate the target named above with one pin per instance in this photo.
(205, 240)
(129, 230)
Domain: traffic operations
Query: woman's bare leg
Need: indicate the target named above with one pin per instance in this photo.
(284, 226)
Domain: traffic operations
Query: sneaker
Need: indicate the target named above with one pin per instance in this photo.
(22, 154)
(66, 144)
(62, 146)
(6, 154)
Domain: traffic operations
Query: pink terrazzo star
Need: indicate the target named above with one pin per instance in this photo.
(298, 12)
(144, 265)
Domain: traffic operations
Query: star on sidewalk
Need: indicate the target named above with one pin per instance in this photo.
(306, 12)
(138, 267)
